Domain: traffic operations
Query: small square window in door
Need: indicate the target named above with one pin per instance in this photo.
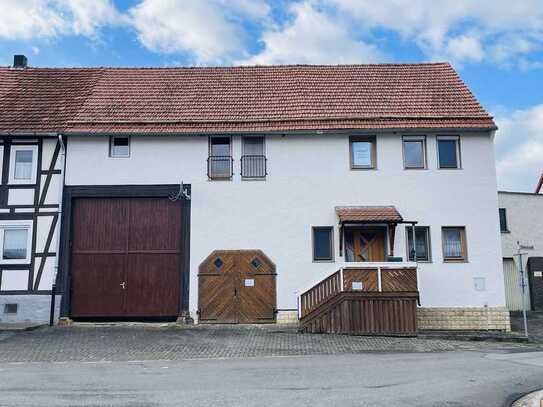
(256, 263)
(218, 262)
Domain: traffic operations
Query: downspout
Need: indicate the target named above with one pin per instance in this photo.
(59, 227)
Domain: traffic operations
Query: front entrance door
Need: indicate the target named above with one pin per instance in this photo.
(125, 257)
(369, 244)
(236, 286)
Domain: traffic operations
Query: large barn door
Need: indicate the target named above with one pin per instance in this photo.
(126, 257)
(237, 286)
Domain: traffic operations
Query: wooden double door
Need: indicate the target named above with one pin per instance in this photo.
(125, 257)
(237, 286)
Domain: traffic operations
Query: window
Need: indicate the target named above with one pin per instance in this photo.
(220, 159)
(23, 164)
(363, 152)
(119, 146)
(323, 243)
(253, 160)
(15, 243)
(422, 234)
(454, 244)
(414, 152)
(503, 220)
(448, 151)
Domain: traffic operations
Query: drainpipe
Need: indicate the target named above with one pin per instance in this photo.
(59, 228)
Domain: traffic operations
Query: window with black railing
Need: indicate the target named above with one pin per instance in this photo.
(253, 160)
(220, 161)
(253, 166)
(219, 166)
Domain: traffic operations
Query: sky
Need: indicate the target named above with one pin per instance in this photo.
(495, 45)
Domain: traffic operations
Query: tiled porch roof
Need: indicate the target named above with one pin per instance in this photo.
(385, 214)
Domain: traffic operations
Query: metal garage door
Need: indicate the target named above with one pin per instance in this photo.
(513, 293)
(125, 257)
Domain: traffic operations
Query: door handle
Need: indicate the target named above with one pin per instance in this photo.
(235, 292)
(123, 285)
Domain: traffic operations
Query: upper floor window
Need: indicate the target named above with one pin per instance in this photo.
(363, 152)
(253, 159)
(23, 164)
(414, 152)
(422, 237)
(15, 243)
(219, 162)
(448, 152)
(323, 243)
(119, 146)
(454, 244)
(503, 220)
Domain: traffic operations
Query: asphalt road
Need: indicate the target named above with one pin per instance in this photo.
(452, 379)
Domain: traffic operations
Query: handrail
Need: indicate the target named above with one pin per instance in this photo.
(220, 166)
(320, 292)
(253, 166)
(334, 284)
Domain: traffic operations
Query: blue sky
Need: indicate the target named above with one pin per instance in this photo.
(496, 46)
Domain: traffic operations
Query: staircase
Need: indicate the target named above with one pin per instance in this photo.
(379, 300)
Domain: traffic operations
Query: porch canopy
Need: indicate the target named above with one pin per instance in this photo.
(387, 215)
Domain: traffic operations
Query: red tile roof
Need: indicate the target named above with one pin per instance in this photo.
(237, 99)
(385, 214)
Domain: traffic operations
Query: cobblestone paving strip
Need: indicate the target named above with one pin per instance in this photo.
(128, 343)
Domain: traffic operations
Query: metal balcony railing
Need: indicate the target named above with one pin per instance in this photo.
(219, 166)
(253, 166)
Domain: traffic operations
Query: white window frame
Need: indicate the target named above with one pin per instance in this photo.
(422, 140)
(111, 145)
(458, 152)
(7, 225)
(12, 154)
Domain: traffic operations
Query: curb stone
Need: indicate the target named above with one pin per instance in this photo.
(534, 399)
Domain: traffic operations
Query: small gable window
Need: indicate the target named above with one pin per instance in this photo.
(119, 146)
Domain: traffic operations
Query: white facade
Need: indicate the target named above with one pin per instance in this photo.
(524, 222)
(308, 176)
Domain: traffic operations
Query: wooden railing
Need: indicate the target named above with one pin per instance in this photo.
(387, 279)
(319, 293)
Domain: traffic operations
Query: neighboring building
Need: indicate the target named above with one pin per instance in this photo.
(539, 187)
(292, 173)
(521, 220)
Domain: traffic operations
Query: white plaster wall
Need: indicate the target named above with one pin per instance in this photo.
(14, 280)
(21, 196)
(525, 222)
(308, 176)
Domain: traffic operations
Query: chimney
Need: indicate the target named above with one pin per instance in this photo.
(19, 61)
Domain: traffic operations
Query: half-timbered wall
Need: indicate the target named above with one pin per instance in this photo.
(29, 200)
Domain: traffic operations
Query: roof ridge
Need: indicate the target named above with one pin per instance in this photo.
(220, 67)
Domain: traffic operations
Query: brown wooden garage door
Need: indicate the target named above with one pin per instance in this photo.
(125, 257)
(236, 286)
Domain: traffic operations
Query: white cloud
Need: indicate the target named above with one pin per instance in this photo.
(313, 36)
(465, 48)
(87, 17)
(31, 19)
(519, 149)
(208, 30)
(442, 29)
